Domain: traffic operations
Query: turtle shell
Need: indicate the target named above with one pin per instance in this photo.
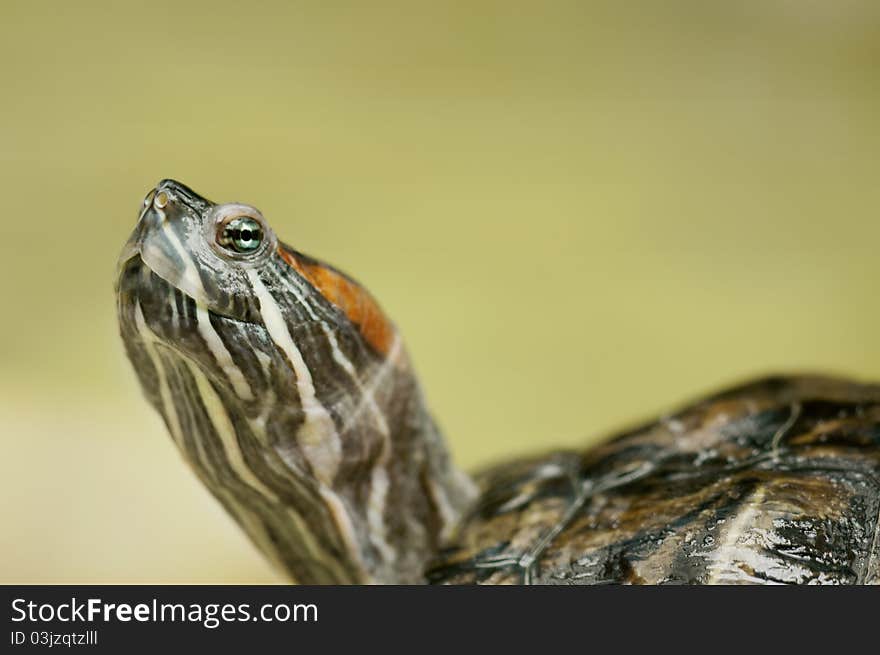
(776, 481)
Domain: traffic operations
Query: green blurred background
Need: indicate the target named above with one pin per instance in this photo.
(579, 213)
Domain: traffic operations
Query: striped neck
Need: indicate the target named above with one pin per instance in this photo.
(289, 394)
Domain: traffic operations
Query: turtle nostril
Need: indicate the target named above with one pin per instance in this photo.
(160, 200)
(148, 199)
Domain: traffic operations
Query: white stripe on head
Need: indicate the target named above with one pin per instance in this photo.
(317, 435)
(342, 519)
(170, 411)
(379, 483)
(224, 429)
(226, 432)
(221, 354)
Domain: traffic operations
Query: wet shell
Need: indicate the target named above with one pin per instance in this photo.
(777, 481)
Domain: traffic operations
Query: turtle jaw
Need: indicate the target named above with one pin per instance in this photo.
(166, 238)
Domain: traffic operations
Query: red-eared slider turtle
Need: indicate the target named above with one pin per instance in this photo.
(290, 394)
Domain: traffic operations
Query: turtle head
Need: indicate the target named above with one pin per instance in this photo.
(287, 390)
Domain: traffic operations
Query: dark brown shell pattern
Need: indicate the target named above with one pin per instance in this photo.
(776, 481)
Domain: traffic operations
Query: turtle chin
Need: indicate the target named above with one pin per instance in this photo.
(162, 317)
(151, 310)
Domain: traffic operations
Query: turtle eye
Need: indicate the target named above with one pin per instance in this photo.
(242, 235)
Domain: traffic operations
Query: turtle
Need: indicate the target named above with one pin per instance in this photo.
(289, 392)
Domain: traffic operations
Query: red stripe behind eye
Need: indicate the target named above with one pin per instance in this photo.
(356, 302)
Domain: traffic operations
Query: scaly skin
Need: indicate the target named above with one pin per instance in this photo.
(777, 481)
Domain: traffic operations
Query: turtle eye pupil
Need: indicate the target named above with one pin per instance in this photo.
(241, 235)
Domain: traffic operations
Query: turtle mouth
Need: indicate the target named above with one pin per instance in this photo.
(161, 244)
(137, 282)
